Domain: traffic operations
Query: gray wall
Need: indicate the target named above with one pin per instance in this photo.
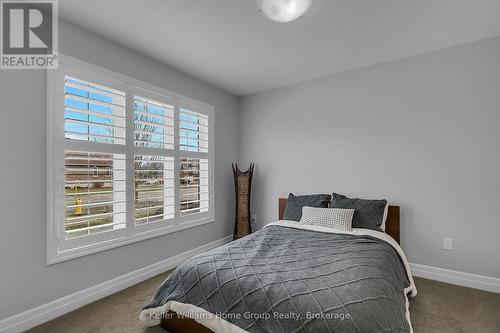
(25, 280)
(423, 132)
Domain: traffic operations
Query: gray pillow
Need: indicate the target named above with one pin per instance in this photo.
(293, 209)
(368, 214)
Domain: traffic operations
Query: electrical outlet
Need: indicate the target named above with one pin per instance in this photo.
(254, 218)
(448, 243)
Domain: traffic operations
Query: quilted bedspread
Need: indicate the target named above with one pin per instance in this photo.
(285, 279)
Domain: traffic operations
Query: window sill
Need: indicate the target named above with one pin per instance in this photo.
(53, 258)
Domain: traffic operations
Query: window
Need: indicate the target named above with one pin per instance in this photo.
(153, 124)
(94, 193)
(193, 188)
(154, 191)
(193, 131)
(127, 161)
(193, 138)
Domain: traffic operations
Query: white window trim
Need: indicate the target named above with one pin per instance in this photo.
(55, 162)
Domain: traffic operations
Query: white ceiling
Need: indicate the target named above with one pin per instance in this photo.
(228, 44)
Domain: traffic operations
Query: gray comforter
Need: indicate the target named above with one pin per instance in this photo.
(282, 279)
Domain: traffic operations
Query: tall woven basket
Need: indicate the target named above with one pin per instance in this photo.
(242, 191)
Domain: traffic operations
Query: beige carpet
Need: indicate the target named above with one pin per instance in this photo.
(439, 308)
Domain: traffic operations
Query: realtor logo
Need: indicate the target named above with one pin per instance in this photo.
(29, 34)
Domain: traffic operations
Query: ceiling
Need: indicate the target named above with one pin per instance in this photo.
(230, 45)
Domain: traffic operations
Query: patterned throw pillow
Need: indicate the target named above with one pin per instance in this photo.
(294, 204)
(336, 218)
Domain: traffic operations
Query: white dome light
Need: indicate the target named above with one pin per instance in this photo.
(284, 10)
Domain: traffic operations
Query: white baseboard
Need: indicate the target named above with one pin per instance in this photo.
(58, 307)
(469, 280)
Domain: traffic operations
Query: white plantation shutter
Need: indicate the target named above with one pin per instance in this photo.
(93, 112)
(193, 185)
(154, 188)
(193, 131)
(153, 124)
(154, 170)
(127, 161)
(94, 159)
(194, 162)
(95, 199)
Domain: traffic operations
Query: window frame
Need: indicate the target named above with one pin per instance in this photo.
(58, 248)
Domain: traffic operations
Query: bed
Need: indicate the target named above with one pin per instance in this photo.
(291, 278)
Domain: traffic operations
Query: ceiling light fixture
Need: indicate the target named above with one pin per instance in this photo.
(284, 10)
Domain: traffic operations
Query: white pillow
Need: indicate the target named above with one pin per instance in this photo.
(335, 218)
